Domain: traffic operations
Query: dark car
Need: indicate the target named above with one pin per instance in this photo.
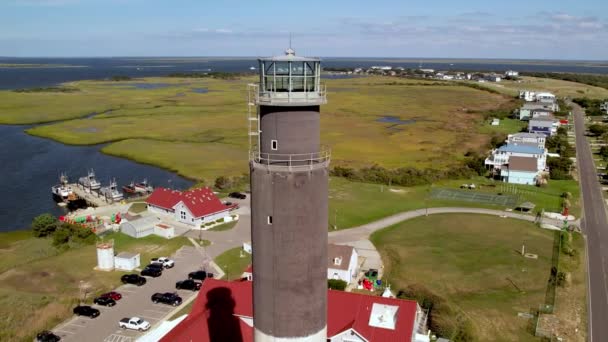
(198, 275)
(188, 285)
(155, 265)
(105, 301)
(85, 310)
(114, 295)
(167, 298)
(237, 195)
(47, 336)
(133, 279)
(151, 272)
(371, 273)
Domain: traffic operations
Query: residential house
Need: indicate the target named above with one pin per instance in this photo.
(541, 112)
(520, 170)
(530, 139)
(546, 97)
(193, 207)
(511, 73)
(527, 95)
(525, 112)
(223, 311)
(493, 78)
(544, 125)
(604, 107)
(342, 263)
(500, 156)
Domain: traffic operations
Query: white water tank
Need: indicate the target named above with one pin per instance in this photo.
(105, 256)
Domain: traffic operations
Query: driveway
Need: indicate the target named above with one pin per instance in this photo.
(135, 302)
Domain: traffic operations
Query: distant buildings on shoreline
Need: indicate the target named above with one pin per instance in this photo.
(385, 70)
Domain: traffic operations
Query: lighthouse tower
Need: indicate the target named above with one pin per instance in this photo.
(289, 180)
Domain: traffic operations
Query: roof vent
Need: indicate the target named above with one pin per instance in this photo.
(383, 316)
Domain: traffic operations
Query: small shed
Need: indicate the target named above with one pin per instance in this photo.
(495, 122)
(247, 247)
(126, 261)
(164, 230)
(141, 227)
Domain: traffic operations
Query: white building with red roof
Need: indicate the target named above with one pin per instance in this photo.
(223, 311)
(193, 207)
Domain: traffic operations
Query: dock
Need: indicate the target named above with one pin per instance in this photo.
(92, 197)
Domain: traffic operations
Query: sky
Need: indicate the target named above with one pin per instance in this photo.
(539, 29)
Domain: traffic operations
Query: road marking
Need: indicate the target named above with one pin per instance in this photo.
(157, 311)
(78, 325)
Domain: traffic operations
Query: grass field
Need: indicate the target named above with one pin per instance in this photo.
(475, 265)
(39, 286)
(233, 262)
(204, 135)
(558, 87)
(352, 204)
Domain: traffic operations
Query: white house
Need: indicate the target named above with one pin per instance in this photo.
(511, 73)
(342, 262)
(545, 97)
(527, 95)
(604, 107)
(532, 139)
(501, 155)
(126, 261)
(194, 207)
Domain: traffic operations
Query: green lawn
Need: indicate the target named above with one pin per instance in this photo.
(233, 262)
(138, 207)
(475, 264)
(352, 203)
(39, 285)
(222, 227)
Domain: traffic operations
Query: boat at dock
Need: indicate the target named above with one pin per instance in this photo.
(89, 181)
(62, 192)
(144, 187)
(111, 192)
(130, 189)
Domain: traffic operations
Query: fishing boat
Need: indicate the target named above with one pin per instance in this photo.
(144, 187)
(62, 191)
(111, 192)
(130, 189)
(89, 181)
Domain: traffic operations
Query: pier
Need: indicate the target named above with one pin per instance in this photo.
(92, 197)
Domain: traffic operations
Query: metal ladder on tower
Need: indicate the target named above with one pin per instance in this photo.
(253, 118)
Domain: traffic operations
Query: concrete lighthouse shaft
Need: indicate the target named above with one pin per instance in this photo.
(289, 191)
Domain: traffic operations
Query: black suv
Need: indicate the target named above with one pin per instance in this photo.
(85, 310)
(167, 298)
(152, 272)
(198, 275)
(237, 195)
(188, 285)
(133, 279)
(105, 301)
(47, 336)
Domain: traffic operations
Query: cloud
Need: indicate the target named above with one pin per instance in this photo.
(45, 2)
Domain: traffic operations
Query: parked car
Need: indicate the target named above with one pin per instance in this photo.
(152, 272)
(85, 310)
(133, 279)
(134, 323)
(167, 298)
(112, 294)
(166, 262)
(188, 285)
(105, 301)
(47, 336)
(237, 195)
(198, 275)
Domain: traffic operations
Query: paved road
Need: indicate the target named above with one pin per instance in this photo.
(595, 227)
(364, 231)
(135, 302)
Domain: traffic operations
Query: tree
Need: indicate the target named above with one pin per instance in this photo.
(336, 284)
(597, 129)
(61, 236)
(222, 182)
(44, 225)
(604, 152)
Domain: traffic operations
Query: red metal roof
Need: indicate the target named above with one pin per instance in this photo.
(216, 311)
(200, 201)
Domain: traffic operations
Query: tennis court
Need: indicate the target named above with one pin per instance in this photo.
(473, 196)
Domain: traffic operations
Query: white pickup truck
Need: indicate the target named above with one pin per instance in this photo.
(134, 323)
(166, 262)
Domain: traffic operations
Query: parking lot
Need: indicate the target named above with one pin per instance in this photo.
(135, 302)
